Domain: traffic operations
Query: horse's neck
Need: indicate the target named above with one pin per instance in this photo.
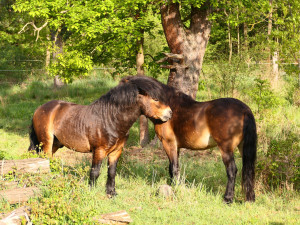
(181, 100)
(116, 117)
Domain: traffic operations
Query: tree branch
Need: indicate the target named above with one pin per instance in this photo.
(36, 29)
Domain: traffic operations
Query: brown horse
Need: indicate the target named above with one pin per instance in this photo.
(101, 127)
(227, 123)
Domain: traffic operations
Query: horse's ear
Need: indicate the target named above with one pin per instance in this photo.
(141, 91)
(126, 79)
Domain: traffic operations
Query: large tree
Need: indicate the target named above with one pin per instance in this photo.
(187, 35)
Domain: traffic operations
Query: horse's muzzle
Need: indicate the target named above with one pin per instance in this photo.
(166, 115)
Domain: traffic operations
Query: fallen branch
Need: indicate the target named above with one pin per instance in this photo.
(16, 217)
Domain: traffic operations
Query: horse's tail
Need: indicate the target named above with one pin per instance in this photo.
(249, 156)
(34, 143)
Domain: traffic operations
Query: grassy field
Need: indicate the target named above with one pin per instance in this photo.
(67, 199)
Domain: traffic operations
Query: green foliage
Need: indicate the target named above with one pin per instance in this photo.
(280, 166)
(71, 65)
(263, 95)
(2, 155)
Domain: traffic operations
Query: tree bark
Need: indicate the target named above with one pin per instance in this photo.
(229, 43)
(245, 36)
(48, 56)
(57, 39)
(299, 72)
(275, 69)
(238, 39)
(140, 59)
(189, 42)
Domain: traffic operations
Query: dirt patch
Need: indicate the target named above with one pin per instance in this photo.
(72, 158)
(134, 153)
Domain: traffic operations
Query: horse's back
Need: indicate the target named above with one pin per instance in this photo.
(43, 115)
(47, 112)
(204, 125)
(63, 121)
(225, 119)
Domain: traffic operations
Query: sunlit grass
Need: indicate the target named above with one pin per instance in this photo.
(67, 198)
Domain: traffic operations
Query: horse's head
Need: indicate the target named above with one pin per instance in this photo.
(151, 97)
(153, 108)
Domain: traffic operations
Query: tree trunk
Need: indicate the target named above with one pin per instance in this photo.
(238, 33)
(48, 56)
(245, 36)
(229, 43)
(299, 72)
(275, 68)
(238, 40)
(188, 43)
(56, 37)
(140, 59)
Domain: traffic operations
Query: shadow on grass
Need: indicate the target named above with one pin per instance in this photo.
(208, 173)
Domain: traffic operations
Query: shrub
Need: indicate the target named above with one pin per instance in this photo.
(279, 167)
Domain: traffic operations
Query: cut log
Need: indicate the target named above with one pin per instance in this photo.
(16, 217)
(8, 185)
(120, 217)
(19, 195)
(33, 165)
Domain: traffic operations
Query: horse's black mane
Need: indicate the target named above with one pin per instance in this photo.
(125, 94)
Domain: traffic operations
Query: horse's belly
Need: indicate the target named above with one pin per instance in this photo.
(199, 142)
(79, 144)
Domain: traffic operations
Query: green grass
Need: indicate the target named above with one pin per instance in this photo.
(67, 199)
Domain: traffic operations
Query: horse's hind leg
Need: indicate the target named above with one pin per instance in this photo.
(47, 143)
(231, 170)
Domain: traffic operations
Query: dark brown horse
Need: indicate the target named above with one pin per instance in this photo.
(102, 127)
(227, 123)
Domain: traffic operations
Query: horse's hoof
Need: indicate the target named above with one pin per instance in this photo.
(111, 194)
(228, 200)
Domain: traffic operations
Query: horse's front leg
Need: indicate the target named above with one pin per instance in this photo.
(98, 156)
(113, 158)
(172, 152)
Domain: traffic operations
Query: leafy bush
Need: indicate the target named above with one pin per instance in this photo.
(263, 95)
(2, 155)
(71, 64)
(280, 166)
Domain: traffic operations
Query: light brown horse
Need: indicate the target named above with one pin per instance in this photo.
(227, 123)
(102, 127)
